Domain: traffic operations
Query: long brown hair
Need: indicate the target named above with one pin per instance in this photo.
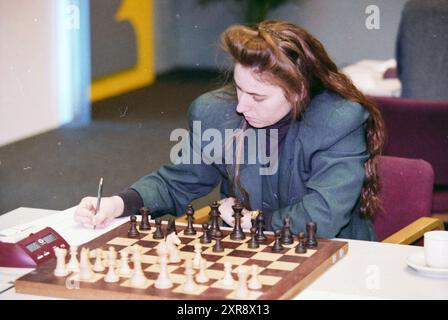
(298, 63)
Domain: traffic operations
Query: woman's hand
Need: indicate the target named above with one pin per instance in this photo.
(110, 208)
(227, 212)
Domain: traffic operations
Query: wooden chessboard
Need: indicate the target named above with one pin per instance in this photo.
(283, 275)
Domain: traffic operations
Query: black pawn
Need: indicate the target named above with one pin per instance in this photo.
(277, 247)
(205, 238)
(260, 236)
(301, 247)
(286, 237)
(218, 246)
(253, 244)
(133, 232)
(311, 241)
(189, 230)
(144, 224)
(158, 233)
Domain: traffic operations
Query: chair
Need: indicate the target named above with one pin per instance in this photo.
(406, 195)
(419, 129)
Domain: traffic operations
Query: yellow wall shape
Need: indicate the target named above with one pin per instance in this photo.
(139, 13)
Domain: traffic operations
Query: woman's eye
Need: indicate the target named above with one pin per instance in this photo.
(258, 99)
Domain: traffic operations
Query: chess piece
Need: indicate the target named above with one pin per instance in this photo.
(189, 284)
(111, 275)
(253, 222)
(112, 254)
(163, 280)
(189, 230)
(214, 219)
(286, 237)
(241, 291)
(138, 279)
(158, 233)
(227, 280)
(73, 264)
(254, 282)
(301, 247)
(218, 245)
(311, 241)
(259, 220)
(144, 224)
(61, 268)
(172, 241)
(237, 233)
(202, 277)
(198, 255)
(277, 247)
(124, 269)
(171, 226)
(253, 244)
(85, 269)
(133, 232)
(99, 265)
(205, 238)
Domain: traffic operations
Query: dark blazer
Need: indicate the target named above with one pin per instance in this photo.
(321, 168)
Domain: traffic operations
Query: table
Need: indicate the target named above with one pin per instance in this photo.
(370, 270)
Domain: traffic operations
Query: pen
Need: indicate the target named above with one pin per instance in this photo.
(98, 201)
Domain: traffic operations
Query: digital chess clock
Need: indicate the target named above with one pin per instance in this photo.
(31, 251)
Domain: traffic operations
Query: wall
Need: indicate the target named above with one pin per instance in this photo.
(339, 25)
(28, 95)
(186, 35)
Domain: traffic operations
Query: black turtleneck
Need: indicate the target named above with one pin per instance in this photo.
(270, 183)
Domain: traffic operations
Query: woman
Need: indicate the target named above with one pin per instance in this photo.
(328, 136)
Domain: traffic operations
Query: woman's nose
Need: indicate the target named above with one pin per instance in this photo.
(243, 104)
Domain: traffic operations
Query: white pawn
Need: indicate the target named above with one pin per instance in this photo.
(124, 269)
(85, 272)
(241, 291)
(189, 284)
(111, 254)
(138, 278)
(99, 265)
(227, 280)
(73, 264)
(61, 269)
(202, 277)
(188, 266)
(197, 256)
(254, 283)
(163, 280)
(111, 275)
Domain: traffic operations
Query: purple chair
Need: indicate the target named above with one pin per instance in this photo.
(419, 129)
(406, 193)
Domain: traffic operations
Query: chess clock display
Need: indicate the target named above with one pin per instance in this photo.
(31, 251)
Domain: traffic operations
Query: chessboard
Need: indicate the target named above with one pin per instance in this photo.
(282, 274)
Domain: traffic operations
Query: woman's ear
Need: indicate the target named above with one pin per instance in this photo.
(295, 100)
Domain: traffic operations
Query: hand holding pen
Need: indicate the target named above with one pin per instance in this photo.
(99, 211)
